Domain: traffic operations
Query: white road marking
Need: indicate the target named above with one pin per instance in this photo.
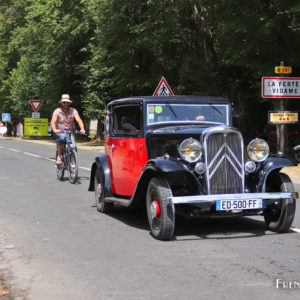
(15, 150)
(295, 229)
(31, 154)
(50, 159)
(83, 168)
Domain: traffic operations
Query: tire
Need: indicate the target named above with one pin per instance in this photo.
(60, 169)
(102, 206)
(297, 155)
(161, 214)
(73, 167)
(279, 216)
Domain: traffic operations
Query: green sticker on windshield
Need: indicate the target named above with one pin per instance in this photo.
(158, 109)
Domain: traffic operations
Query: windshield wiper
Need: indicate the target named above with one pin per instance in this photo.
(216, 109)
(170, 108)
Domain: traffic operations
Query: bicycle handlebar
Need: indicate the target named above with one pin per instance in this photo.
(78, 132)
(70, 132)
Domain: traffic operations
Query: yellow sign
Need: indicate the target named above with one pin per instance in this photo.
(283, 70)
(35, 127)
(283, 117)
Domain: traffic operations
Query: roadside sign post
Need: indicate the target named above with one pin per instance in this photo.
(281, 128)
(35, 127)
(281, 132)
(36, 115)
(163, 88)
(36, 104)
(283, 117)
(281, 87)
(6, 117)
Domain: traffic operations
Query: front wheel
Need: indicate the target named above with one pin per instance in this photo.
(161, 213)
(279, 216)
(73, 167)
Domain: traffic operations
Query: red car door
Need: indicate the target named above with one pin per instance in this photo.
(126, 158)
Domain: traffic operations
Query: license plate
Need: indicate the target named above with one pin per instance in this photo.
(239, 204)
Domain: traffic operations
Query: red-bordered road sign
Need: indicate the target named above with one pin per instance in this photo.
(280, 87)
(36, 104)
(163, 89)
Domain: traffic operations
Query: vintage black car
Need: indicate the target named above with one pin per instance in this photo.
(181, 155)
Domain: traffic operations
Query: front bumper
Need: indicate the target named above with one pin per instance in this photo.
(211, 199)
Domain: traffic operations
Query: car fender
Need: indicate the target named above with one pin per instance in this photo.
(175, 171)
(101, 164)
(270, 166)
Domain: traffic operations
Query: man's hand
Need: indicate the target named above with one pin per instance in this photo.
(56, 131)
(80, 123)
(200, 118)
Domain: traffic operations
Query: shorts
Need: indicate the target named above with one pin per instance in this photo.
(63, 138)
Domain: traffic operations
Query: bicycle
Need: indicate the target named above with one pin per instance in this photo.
(69, 160)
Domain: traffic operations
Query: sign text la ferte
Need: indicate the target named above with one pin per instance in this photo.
(280, 87)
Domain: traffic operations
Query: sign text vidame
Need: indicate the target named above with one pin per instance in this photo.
(280, 87)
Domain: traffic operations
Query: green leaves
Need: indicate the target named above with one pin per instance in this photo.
(97, 50)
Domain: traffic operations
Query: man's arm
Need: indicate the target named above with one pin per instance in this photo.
(80, 123)
(53, 124)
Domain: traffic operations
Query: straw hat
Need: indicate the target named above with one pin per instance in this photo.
(65, 98)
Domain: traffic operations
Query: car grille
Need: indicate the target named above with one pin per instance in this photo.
(224, 160)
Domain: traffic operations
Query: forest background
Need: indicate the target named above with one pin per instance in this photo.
(99, 50)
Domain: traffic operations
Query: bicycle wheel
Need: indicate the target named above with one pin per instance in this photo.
(73, 166)
(60, 169)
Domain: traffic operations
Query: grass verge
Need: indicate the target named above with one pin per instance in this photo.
(5, 293)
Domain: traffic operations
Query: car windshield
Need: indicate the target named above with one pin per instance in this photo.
(171, 112)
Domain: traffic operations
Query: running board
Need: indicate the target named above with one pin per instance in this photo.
(121, 201)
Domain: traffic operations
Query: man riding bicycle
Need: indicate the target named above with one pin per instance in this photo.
(63, 121)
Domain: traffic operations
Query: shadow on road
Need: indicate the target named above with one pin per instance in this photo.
(78, 181)
(197, 228)
(133, 217)
(225, 228)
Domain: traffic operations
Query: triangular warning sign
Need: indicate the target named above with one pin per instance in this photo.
(163, 89)
(36, 104)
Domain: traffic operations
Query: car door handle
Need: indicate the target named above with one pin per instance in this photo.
(111, 146)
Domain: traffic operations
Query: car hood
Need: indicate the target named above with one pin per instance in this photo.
(166, 139)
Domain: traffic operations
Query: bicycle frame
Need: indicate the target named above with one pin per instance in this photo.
(69, 159)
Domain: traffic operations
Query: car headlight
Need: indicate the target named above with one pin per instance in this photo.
(190, 150)
(258, 150)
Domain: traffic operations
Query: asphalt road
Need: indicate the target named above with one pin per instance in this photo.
(55, 245)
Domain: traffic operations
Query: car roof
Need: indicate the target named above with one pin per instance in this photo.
(171, 99)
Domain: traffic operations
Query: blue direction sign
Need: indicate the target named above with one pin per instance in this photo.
(6, 117)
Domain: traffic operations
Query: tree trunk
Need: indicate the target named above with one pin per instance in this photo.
(206, 29)
(99, 134)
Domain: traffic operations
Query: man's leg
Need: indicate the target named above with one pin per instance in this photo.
(59, 152)
(60, 141)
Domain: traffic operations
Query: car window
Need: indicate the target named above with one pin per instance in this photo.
(170, 112)
(126, 120)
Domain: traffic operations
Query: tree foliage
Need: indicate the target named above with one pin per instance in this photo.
(98, 50)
